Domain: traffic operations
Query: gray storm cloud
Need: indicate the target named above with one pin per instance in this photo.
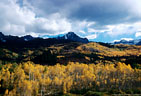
(40, 17)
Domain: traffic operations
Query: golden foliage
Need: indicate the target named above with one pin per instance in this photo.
(29, 79)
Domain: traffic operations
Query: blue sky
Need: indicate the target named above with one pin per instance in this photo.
(98, 20)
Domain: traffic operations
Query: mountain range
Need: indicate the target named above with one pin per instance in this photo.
(72, 36)
(15, 42)
(69, 36)
(28, 40)
(129, 42)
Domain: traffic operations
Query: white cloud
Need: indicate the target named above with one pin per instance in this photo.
(138, 34)
(17, 20)
(13, 18)
(20, 21)
(82, 31)
(127, 39)
(90, 24)
(53, 26)
(134, 6)
(124, 29)
(116, 41)
(92, 36)
(92, 30)
(81, 27)
(120, 29)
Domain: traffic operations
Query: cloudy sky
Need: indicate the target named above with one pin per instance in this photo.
(98, 20)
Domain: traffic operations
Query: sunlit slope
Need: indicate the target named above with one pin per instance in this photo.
(116, 50)
(76, 52)
(97, 52)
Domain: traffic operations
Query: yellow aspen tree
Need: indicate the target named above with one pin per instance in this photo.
(64, 88)
(6, 92)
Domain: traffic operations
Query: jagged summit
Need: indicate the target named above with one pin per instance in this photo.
(1, 35)
(27, 37)
(71, 33)
(72, 36)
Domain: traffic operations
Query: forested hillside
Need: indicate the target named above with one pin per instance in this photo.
(74, 52)
(71, 69)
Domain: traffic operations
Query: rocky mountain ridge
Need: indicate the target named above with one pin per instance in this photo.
(129, 42)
